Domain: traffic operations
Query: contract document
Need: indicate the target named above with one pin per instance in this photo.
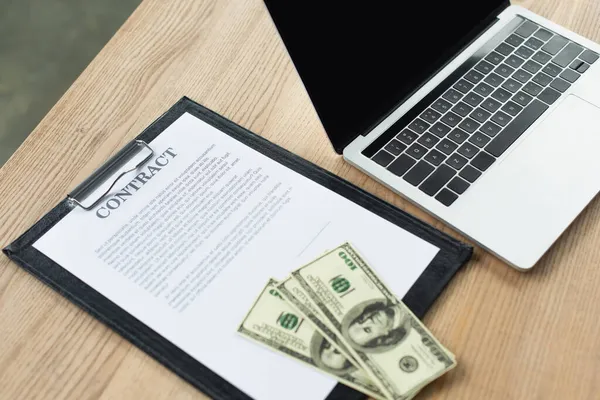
(186, 242)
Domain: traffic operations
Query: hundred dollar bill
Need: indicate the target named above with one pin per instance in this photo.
(293, 292)
(275, 323)
(382, 334)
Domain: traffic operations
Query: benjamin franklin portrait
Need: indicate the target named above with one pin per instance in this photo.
(328, 357)
(375, 326)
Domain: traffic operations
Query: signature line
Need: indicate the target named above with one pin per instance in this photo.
(314, 238)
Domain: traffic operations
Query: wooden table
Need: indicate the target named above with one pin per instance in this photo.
(516, 335)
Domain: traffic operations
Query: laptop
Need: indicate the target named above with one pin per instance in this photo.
(483, 114)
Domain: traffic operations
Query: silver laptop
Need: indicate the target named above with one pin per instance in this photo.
(483, 114)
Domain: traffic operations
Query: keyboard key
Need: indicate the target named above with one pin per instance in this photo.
(570, 75)
(430, 115)
(491, 105)
(470, 174)
(501, 118)
(419, 126)
(452, 95)
(416, 150)
(532, 67)
(458, 185)
(463, 86)
(441, 105)
(522, 76)
(549, 95)
(401, 165)
(474, 76)
(435, 157)
(468, 150)
(522, 98)
(512, 108)
(524, 52)
(501, 95)
(555, 45)
(552, 70)
(490, 129)
(589, 56)
(428, 140)
(576, 64)
(504, 70)
(532, 88)
(542, 79)
(469, 125)
(462, 109)
(534, 43)
(579, 66)
(419, 172)
(567, 55)
(514, 61)
(479, 139)
(395, 147)
(494, 79)
(541, 57)
(473, 99)
(494, 58)
(439, 129)
(514, 40)
(511, 85)
(526, 29)
(482, 161)
(437, 180)
(456, 161)
(480, 115)
(458, 135)
(543, 34)
(451, 119)
(515, 129)
(407, 136)
(504, 49)
(446, 147)
(582, 68)
(383, 158)
(560, 85)
(446, 197)
(483, 89)
(484, 67)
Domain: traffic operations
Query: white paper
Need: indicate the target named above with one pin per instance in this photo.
(200, 308)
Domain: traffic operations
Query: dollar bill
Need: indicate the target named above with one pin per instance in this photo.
(293, 292)
(275, 323)
(381, 333)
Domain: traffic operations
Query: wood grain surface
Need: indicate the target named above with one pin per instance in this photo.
(516, 335)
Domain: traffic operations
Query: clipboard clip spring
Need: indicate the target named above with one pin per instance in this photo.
(102, 174)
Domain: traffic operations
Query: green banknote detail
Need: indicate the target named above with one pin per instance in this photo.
(293, 292)
(275, 323)
(380, 332)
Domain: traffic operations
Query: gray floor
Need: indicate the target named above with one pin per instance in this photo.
(44, 46)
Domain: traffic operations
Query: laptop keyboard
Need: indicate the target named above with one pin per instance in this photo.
(461, 133)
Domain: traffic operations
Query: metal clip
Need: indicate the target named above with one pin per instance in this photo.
(102, 174)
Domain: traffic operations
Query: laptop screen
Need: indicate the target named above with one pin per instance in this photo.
(359, 60)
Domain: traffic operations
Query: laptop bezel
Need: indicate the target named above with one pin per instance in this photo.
(477, 31)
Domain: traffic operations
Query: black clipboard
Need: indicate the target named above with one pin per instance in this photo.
(452, 255)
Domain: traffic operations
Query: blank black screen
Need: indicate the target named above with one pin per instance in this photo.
(359, 59)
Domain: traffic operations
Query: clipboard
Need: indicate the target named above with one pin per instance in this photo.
(452, 255)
